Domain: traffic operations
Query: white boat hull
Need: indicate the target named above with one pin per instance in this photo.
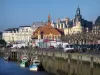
(6, 58)
(33, 69)
(22, 65)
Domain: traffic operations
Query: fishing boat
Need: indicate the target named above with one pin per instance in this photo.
(22, 64)
(35, 65)
(6, 57)
(24, 59)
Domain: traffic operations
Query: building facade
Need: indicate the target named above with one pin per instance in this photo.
(25, 33)
(21, 34)
(96, 26)
(10, 34)
(73, 26)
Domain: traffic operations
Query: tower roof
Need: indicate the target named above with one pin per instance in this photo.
(78, 10)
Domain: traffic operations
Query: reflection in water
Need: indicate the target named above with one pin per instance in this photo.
(11, 68)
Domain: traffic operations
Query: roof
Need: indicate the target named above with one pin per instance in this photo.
(47, 29)
(0, 33)
(40, 23)
(11, 29)
(24, 26)
(97, 20)
(60, 30)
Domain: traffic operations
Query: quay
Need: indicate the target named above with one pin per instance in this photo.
(61, 63)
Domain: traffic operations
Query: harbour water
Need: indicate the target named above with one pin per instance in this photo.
(12, 68)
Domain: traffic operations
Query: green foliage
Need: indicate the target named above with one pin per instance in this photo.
(3, 42)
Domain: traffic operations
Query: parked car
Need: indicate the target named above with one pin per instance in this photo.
(22, 47)
(98, 47)
(68, 48)
(52, 47)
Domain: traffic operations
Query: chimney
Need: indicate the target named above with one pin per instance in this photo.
(73, 23)
(67, 20)
(58, 21)
(49, 19)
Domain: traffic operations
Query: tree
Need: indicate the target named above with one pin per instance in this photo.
(3, 42)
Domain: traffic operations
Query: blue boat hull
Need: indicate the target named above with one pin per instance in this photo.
(34, 67)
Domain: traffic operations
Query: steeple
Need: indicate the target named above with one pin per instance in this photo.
(49, 18)
(78, 17)
(78, 11)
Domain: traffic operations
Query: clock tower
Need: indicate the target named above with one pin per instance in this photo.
(78, 16)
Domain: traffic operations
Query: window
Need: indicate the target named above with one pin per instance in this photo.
(55, 37)
(67, 46)
(26, 30)
(55, 26)
(49, 37)
(22, 30)
(61, 25)
(58, 36)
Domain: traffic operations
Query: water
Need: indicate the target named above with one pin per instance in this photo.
(12, 68)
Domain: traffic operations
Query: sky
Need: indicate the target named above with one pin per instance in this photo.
(15, 13)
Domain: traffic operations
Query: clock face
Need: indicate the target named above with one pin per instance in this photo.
(78, 11)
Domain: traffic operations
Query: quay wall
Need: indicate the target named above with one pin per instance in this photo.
(62, 63)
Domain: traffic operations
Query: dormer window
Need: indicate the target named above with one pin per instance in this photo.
(26, 30)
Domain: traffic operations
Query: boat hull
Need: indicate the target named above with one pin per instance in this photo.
(6, 58)
(22, 65)
(33, 68)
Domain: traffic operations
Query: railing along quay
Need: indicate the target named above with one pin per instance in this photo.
(85, 57)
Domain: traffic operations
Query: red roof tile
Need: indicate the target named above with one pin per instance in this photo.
(47, 29)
